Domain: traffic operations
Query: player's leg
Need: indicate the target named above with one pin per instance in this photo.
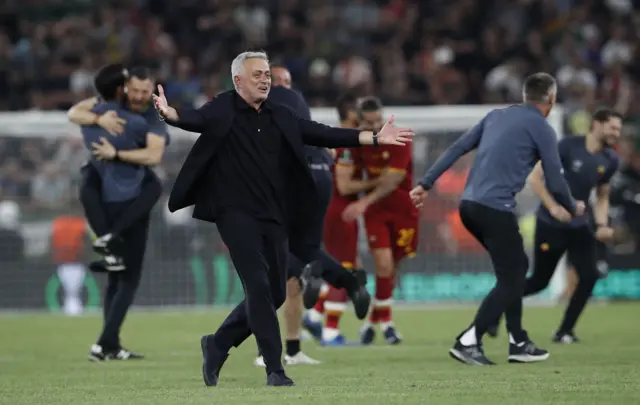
(581, 251)
(293, 312)
(498, 232)
(123, 286)
(71, 277)
(550, 243)
(380, 244)
(90, 195)
(340, 241)
(150, 193)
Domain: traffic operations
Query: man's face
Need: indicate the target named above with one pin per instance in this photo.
(254, 80)
(139, 93)
(281, 77)
(372, 121)
(609, 131)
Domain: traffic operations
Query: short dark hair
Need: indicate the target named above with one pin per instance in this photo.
(537, 88)
(108, 79)
(346, 102)
(140, 72)
(369, 104)
(278, 66)
(603, 115)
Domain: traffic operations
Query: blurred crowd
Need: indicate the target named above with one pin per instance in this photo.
(436, 52)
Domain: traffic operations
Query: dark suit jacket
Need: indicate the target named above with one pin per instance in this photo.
(214, 121)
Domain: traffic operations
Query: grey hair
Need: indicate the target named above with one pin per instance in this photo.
(238, 62)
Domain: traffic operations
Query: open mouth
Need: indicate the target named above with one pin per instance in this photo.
(263, 89)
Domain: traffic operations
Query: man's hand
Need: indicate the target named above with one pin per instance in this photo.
(391, 135)
(604, 233)
(162, 106)
(580, 208)
(559, 213)
(418, 196)
(103, 150)
(111, 123)
(354, 210)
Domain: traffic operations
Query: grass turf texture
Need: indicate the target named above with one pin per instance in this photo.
(43, 361)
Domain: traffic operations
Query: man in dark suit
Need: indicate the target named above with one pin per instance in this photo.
(247, 172)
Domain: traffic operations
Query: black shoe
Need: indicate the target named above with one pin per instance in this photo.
(361, 276)
(97, 354)
(566, 338)
(107, 264)
(108, 244)
(471, 355)
(493, 330)
(212, 361)
(312, 281)
(391, 336)
(279, 379)
(526, 352)
(367, 335)
(124, 354)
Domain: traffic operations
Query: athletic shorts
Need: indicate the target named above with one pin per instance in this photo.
(341, 238)
(392, 231)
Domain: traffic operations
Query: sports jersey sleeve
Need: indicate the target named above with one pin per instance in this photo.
(157, 126)
(399, 159)
(610, 171)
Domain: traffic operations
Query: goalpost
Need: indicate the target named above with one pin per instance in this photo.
(422, 280)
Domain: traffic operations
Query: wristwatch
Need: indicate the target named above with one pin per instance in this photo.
(375, 138)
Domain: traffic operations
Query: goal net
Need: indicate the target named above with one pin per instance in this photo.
(186, 262)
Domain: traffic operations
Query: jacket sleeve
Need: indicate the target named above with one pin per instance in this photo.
(316, 134)
(195, 120)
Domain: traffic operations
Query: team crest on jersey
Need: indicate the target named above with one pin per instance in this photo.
(345, 157)
(601, 169)
(544, 247)
(385, 155)
(576, 165)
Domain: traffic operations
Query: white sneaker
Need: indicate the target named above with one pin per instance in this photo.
(259, 362)
(299, 358)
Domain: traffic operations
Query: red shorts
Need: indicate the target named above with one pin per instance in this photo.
(392, 231)
(341, 238)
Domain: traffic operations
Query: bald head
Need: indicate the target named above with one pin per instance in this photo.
(280, 76)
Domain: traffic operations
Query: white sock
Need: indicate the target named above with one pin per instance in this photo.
(315, 316)
(329, 334)
(469, 337)
(385, 325)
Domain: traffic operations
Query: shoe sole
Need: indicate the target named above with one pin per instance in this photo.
(527, 358)
(205, 354)
(458, 356)
(96, 359)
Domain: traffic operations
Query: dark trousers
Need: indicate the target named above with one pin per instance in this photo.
(551, 242)
(259, 251)
(90, 194)
(122, 285)
(499, 233)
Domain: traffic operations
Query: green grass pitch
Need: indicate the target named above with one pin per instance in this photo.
(43, 361)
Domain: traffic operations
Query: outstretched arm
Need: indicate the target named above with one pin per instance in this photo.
(462, 146)
(189, 119)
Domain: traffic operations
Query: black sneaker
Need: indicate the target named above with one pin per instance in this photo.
(312, 282)
(367, 335)
(526, 352)
(471, 355)
(212, 361)
(566, 338)
(97, 354)
(124, 354)
(279, 379)
(108, 244)
(392, 336)
(361, 300)
(107, 264)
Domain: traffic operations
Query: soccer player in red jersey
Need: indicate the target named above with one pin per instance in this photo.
(340, 237)
(390, 218)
